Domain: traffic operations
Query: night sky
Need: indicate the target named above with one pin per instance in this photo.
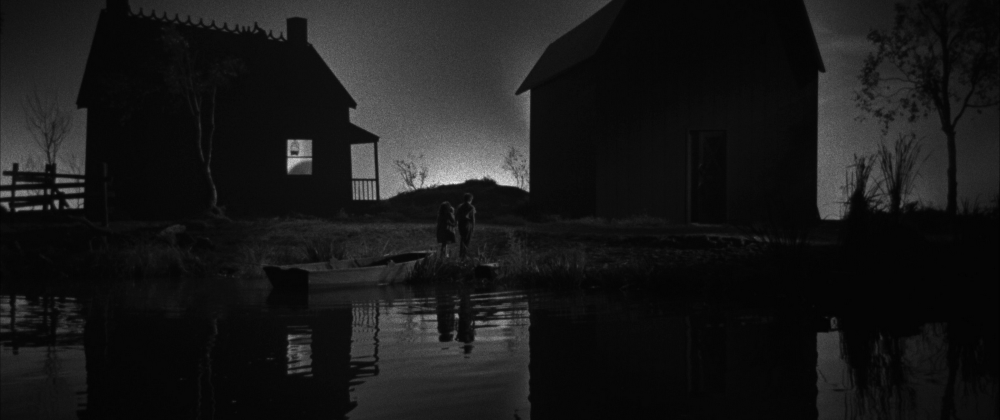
(438, 77)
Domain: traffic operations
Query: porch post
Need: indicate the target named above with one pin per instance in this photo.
(13, 189)
(378, 196)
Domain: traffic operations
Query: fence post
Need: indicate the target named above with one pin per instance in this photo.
(13, 185)
(45, 187)
(104, 191)
(50, 187)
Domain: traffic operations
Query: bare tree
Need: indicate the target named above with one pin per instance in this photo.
(940, 57)
(517, 164)
(196, 75)
(73, 164)
(48, 123)
(414, 174)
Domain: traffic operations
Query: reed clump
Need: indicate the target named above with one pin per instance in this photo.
(898, 168)
(876, 206)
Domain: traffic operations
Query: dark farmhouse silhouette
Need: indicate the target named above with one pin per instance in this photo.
(283, 137)
(689, 111)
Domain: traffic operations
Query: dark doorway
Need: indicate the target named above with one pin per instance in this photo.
(708, 176)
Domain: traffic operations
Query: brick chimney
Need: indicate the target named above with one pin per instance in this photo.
(296, 30)
(118, 7)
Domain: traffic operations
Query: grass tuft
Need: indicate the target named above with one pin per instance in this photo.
(145, 259)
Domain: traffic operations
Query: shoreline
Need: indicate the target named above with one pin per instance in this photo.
(715, 262)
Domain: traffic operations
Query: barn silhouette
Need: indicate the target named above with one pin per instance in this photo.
(690, 111)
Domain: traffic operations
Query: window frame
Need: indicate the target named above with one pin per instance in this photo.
(299, 158)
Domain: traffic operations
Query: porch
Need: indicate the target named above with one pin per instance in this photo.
(364, 178)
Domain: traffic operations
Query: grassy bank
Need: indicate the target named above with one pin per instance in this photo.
(876, 258)
(566, 253)
(634, 256)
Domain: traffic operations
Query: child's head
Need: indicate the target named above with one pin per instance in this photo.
(446, 208)
(468, 197)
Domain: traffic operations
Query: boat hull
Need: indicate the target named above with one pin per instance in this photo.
(376, 271)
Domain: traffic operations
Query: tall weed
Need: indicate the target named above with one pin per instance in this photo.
(861, 193)
(898, 171)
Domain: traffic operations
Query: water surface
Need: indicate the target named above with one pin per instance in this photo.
(205, 349)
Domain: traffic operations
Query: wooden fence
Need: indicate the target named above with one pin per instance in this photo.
(33, 190)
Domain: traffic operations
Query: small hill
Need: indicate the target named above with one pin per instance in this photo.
(491, 200)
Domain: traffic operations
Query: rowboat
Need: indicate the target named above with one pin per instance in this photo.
(376, 271)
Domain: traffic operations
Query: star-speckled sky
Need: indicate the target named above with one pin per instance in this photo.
(437, 77)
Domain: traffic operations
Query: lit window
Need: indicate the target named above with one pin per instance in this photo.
(300, 157)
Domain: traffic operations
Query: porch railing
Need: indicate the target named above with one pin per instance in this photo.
(364, 189)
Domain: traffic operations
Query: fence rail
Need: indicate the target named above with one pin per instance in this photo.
(364, 189)
(41, 189)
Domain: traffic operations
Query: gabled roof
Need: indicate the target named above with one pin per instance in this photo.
(359, 135)
(128, 45)
(573, 48)
(585, 40)
(793, 20)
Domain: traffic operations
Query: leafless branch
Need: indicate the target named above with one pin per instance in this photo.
(48, 123)
(517, 165)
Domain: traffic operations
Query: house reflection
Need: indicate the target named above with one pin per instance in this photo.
(286, 363)
(635, 361)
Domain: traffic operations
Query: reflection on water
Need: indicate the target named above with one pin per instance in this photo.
(905, 368)
(175, 351)
(606, 362)
(299, 351)
(42, 365)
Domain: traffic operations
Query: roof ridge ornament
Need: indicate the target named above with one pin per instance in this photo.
(164, 17)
